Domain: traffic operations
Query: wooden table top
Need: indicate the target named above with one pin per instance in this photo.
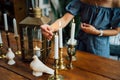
(87, 67)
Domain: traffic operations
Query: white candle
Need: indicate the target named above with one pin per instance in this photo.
(37, 51)
(40, 34)
(56, 47)
(72, 32)
(39, 3)
(33, 3)
(15, 27)
(0, 38)
(36, 3)
(60, 38)
(5, 22)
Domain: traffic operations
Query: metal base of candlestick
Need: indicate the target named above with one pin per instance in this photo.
(59, 77)
(73, 58)
(2, 56)
(18, 52)
(61, 61)
(1, 52)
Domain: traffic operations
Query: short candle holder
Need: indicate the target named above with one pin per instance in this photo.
(1, 53)
(56, 76)
(18, 50)
(61, 61)
(71, 55)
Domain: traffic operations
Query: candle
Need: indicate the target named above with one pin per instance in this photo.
(72, 32)
(39, 3)
(0, 38)
(33, 3)
(56, 47)
(37, 51)
(40, 34)
(36, 3)
(60, 38)
(5, 22)
(15, 27)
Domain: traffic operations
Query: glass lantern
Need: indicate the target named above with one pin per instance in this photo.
(31, 39)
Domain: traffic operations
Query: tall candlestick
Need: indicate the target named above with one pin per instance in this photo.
(56, 47)
(0, 38)
(60, 38)
(15, 27)
(72, 32)
(5, 22)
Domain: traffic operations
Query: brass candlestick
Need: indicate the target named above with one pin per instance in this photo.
(71, 53)
(18, 50)
(7, 36)
(56, 76)
(61, 61)
(1, 54)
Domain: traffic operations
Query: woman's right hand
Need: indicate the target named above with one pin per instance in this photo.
(47, 31)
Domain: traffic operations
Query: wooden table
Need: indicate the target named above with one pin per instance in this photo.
(87, 67)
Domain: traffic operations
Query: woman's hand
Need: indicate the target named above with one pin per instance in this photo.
(89, 29)
(47, 31)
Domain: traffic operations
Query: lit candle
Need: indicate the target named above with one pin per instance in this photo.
(5, 22)
(56, 47)
(60, 38)
(72, 32)
(0, 38)
(37, 51)
(15, 27)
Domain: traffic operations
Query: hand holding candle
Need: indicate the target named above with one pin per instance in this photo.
(15, 27)
(5, 22)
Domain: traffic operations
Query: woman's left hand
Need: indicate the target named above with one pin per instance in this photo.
(87, 28)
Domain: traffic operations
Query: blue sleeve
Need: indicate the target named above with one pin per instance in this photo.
(73, 7)
(116, 18)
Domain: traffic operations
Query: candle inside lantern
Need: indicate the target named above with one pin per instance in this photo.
(72, 32)
(0, 38)
(5, 22)
(56, 47)
(37, 51)
(15, 27)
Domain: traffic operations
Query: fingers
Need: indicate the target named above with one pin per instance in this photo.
(47, 31)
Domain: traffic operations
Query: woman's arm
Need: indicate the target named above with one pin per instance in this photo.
(92, 30)
(64, 21)
(48, 30)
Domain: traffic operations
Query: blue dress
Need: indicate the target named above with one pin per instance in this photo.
(101, 18)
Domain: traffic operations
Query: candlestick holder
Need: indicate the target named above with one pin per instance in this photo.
(71, 54)
(18, 50)
(61, 61)
(1, 55)
(7, 36)
(56, 76)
